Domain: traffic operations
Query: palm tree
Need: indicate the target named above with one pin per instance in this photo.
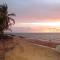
(5, 23)
(5, 18)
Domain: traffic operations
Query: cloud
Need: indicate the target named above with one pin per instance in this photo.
(22, 29)
(39, 9)
(35, 8)
(33, 11)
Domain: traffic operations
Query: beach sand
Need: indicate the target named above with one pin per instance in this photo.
(25, 50)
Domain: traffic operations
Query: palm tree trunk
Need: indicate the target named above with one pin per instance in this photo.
(1, 34)
(2, 46)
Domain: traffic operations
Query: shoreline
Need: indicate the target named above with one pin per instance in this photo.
(50, 44)
(23, 49)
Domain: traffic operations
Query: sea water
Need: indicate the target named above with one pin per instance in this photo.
(39, 36)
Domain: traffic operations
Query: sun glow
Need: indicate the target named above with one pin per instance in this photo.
(51, 24)
(38, 26)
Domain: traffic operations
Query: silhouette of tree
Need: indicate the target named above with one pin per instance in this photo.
(5, 18)
(5, 22)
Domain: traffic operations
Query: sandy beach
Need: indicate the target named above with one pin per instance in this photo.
(25, 50)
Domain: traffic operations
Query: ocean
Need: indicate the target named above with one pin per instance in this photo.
(39, 36)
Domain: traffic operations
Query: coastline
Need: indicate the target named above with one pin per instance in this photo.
(26, 50)
(23, 49)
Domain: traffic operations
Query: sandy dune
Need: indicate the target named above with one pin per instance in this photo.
(25, 50)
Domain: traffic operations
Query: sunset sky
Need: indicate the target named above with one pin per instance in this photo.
(35, 15)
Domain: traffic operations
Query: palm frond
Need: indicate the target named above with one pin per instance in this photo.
(12, 14)
(9, 29)
(5, 18)
(10, 24)
(4, 7)
(11, 20)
